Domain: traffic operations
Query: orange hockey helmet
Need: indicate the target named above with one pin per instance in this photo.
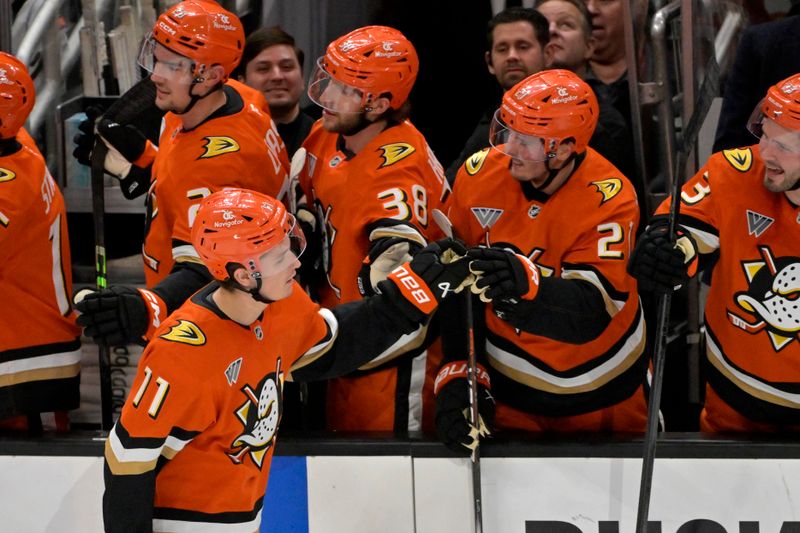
(239, 226)
(17, 95)
(782, 105)
(546, 108)
(200, 30)
(375, 60)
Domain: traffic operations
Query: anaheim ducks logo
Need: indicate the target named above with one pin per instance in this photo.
(260, 415)
(740, 158)
(771, 300)
(474, 163)
(608, 188)
(185, 332)
(394, 152)
(6, 175)
(219, 145)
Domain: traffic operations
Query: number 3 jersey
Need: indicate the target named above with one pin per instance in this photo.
(752, 315)
(388, 189)
(39, 340)
(582, 233)
(237, 146)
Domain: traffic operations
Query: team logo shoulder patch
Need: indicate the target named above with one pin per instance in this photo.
(757, 223)
(185, 332)
(487, 216)
(474, 163)
(6, 175)
(394, 152)
(740, 158)
(609, 188)
(219, 145)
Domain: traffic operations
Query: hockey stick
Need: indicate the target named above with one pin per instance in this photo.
(472, 378)
(707, 92)
(98, 214)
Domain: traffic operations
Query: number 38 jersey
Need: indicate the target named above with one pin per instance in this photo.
(39, 340)
(388, 189)
(752, 314)
(584, 231)
(237, 146)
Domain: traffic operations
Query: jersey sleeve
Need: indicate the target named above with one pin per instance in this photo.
(15, 198)
(698, 208)
(166, 409)
(399, 206)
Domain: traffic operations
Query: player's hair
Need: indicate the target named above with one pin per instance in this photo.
(586, 17)
(541, 28)
(262, 39)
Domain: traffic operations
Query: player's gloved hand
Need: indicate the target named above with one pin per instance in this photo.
(453, 410)
(113, 316)
(84, 140)
(311, 263)
(503, 275)
(128, 140)
(385, 255)
(438, 271)
(660, 265)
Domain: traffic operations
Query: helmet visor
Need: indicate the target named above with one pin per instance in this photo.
(515, 144)
(780, 138)
(160, 61)
(283, 255)
(333, 95)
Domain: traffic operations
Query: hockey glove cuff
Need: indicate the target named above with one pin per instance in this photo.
(453, 407)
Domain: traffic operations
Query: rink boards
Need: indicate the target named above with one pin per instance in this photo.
(369, 485)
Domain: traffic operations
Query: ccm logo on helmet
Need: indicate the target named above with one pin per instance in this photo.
(166, 28)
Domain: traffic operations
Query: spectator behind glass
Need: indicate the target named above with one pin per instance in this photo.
(273, 64)
(516, 40)
(570, 47)
(767, 53)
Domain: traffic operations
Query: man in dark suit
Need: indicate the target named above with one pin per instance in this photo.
(767, 53)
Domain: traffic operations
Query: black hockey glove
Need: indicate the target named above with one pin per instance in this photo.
(84, 140)
(113, 316)
(385, 255)
(659, 265)
(438, 271)
(453, 411)
(503, 275)
(311, 271)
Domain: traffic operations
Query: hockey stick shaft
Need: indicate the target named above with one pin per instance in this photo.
(98, 214)
(707, 92)
(472, 378)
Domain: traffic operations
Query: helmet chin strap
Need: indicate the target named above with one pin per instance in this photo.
(193, 98)
(553, 172)
(362, 123)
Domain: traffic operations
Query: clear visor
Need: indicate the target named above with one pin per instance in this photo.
(333, 95)
(280, 257)
(160, 61)
(515, 144)
(776, 136)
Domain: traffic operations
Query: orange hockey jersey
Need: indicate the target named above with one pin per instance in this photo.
(582, 232)
(388, 189)
(752, 315)
(39, 340)
(238, 146)
(192, 448)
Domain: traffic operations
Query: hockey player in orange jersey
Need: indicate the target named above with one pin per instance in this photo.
(372, 181)
(193, 445)
(562, 334)
(39, 340)
(215, 132)
(745, 205)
